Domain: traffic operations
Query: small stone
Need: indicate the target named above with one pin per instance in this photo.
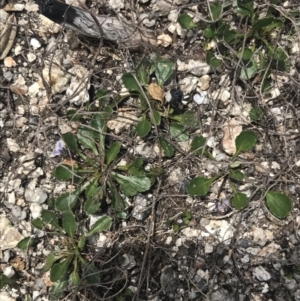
(18, 49)
(261, 274)
(9, 236)
(116, 4)
(204, 81)
(6, 297)
(197, 68)
(208, 248)
(31, 57)
(188, 84)
(164, 40)
(35, 43)
(201, 98)
(20, 122)
(36, 210)
(12, 145)
(9, 62)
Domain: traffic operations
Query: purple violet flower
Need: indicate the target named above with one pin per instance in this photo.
(58, 148)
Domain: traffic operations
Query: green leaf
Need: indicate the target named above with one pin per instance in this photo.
(245, 141)
(112, 152)
(118, 203)
(157, 117)
(71, 141)
(256, 113)
(280, 60)
(81, 242)
(92, 205)
(50, 260)
(168, 148)
(74, 278)
(38, 223)
(69, 223)
(132, 185)
(199, 186)
(188, 119)
(143, 127)
(197, 144)
(236, 175)
(279, 204)
(4, 280)
(92, 274)
(245, 54)
(65, 202)
(85, 137)
(57, 290)
(265, 24)
(102, 95)
(102, 224)
(212, 60)
(130, 83)
(249, 70)
(245, 7)
(186, 22)
(216, 10)
(143, 70)
(48, 217)
(59, 270)
(63, 173)
(99, 123)
(164, 69)
(177, 131)
(72, 115)
(239, 201)
(26, 243)
(209, 31)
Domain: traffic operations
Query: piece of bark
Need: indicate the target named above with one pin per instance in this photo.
(123, 33)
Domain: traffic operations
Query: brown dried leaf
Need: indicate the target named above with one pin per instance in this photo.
(156, 92)
(17, 263)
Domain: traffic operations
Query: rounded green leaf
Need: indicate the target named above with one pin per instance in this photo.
(236, 175)
(102, 224)
(164, 69)
(197, 144)
(92, 274)
(92, 205)
(65, 202)
(186, 22)
(38, 223)
(157, 117)
(112, 152)
(199, 186)
(168, 148)
(216, 10)
(71, 141)
(130, 83)
(279, 204)
(143, 127)
(256, 113)
(48, 217)
(85, 137)
(245, 141)
(26, 243)
(73, 115)
(59, 270)
(63, 173)
(132, 185)
(177, 131)
(239, 201)
(74, 278)
(69, 223)
(212, 60)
